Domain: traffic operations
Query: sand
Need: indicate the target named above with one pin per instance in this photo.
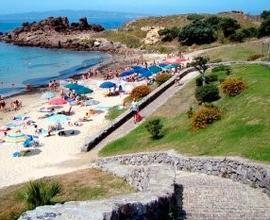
(52, 156)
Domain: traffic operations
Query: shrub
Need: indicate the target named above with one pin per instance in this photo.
(238, 36)
(233, 86)
(207, 93)
(154, 127)
(162, 78)
(208, 79)
(140, 92)
(205, 116)
(39, 193)
(222, 68)
(254, 57)
(190, 112)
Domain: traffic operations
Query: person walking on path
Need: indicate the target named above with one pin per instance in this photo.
(135, 109)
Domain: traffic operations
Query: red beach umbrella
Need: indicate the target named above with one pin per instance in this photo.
(57, 101)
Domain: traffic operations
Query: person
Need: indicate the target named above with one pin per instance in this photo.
(2, 103)
(135, 109)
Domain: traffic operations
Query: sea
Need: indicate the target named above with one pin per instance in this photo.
(21, 66)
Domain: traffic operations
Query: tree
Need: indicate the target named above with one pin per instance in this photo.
(265, 14)
(229, 26)
(200, 64)
(198, 32)
(264, 29)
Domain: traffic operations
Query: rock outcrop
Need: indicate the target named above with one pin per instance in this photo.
(56, 32)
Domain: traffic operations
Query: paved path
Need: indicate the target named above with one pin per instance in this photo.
(215, 198)
(147, 111)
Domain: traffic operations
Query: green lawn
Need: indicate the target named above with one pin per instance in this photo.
(243, 131)
(236, 52)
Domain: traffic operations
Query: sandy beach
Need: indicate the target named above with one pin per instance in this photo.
(56, 155)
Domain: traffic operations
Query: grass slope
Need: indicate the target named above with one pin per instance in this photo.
(243, 131)
(77, 186)
(236, 52)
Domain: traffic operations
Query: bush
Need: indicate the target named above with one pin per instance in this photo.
(40, 193)
(140, 92)
(205, 116)
(154, 127)
(162, 78)
(238, 36)
(254, 57)
(190, 112)
(207, 93)
(208, 79)
(193, 17)
(233, 86)
(222, 68)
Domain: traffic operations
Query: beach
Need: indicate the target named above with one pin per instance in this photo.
(59, 154)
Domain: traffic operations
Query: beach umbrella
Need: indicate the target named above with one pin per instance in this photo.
(71, 86)
(127, 73)
(58, 119)
(16, 137)
(143, 72)
(47, 95)
(57, 101)
(107, 85)
(155, 69)
(163, 64)
(82, 90)
(170, 66)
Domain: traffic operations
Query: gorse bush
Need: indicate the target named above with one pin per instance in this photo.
(39, 193)
(140, 92)
(233, 86)
(154, 127)
(207, 93)
(208, 79)
(205, 116)
(162, 78)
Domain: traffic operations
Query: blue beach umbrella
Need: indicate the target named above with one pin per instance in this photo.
(16, 137)
(143, 72)
(127, 73)
(170, 66)
(163, 64)
(58, 119)
(81, 90)
(47, 95)
(107, 85)
(155, 69)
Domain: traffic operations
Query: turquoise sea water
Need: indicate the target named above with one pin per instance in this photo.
(20, 66)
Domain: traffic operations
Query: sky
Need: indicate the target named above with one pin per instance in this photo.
(137, 6)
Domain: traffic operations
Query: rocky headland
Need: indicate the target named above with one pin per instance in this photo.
(58, 32)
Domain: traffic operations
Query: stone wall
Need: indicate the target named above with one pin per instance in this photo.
(157, 199)
(97, 138)
(241, 170)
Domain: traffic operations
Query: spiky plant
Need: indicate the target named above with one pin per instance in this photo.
(39, 193)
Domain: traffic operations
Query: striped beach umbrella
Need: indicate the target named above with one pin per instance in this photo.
(15, 137)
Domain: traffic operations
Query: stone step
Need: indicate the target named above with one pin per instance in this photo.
(213, 198)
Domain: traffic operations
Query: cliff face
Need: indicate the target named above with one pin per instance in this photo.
(57, 32)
